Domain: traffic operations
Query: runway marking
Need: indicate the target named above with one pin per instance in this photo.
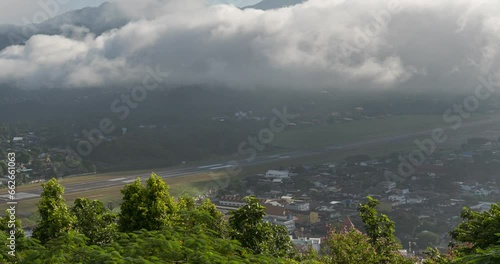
(221, 167)
(20, 195)
(117, 179)
(208, 166)
(129, 181)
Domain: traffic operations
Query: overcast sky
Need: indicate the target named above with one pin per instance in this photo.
(355, 44)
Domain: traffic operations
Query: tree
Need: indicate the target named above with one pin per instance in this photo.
(479, 229)
(71, 247)
(213, 219)
(205, 215)
(378, 226)
(186, 203)
(161, 207)
(7, 226)
(380, 230)
(348, 246)
(248, 227)
(279, 242)
(151, 207)
(490, 255)
(133, 209)
(94, 221)
(55, 218)
(433, 256)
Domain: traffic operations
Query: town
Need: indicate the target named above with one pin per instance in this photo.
(309, 199)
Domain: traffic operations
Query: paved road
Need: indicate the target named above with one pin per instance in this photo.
(259, 160)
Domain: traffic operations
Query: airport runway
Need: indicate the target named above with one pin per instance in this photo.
(261, 158)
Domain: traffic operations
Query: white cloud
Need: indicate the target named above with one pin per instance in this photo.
(321, 43)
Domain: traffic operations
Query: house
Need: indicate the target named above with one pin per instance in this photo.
(303, 207)
(347, 224)
(397, 199)
(278, 174)
(482, 206)
(387, 185)
(303, 244)
(232, 201)
(279, 216)
(482, 192)
(333, 189)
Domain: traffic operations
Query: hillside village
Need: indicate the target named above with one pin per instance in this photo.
(307, 199)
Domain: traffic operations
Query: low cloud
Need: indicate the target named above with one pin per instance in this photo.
(319, 44)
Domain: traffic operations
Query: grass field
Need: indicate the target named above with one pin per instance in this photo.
(324, 135)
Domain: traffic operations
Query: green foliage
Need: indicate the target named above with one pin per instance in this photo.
(349, 246)
(161, 207)
(133, 209)
(186, 202)
(70, 247)
(248, 227)
(205, 215)
(6, 227)
(479, 229)
(55, 218)
(94, 221)
(380, 231)
(156, 229)
(435, 257)
(151, 207)
(490, 255)
(379, 227)
(170, 245)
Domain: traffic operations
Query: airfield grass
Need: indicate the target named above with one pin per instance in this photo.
(347, 132)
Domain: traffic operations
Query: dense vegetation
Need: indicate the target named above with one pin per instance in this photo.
(153, 227)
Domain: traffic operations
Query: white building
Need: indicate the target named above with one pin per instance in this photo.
(388, 185)
(278, 174)
(303, 207)
(397, 198)
(302, 243)
(288, 223)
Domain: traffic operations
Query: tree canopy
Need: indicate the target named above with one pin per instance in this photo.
(153, 227)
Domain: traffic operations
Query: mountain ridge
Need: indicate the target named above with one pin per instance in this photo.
(274, 4)
(96, 19)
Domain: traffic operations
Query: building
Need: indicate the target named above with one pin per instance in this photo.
(387, 185)
(232, 201)
(302, 244)
(303, 207)
(278, 174)
(279, 216)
